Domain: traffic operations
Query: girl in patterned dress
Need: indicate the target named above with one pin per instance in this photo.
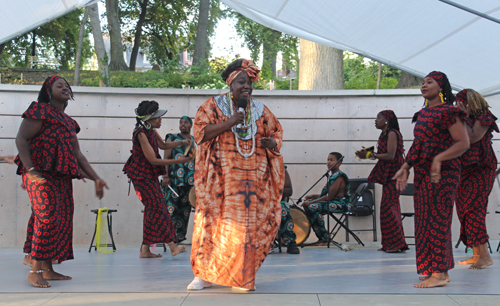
(440, 138)
(143, 168)
(390, 155)
(49, 158)
(478, 177)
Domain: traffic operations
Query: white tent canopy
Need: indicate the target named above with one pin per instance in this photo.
(20, 16)
(414, 36)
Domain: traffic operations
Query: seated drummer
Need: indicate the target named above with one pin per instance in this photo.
(286, 232)
(339, 199)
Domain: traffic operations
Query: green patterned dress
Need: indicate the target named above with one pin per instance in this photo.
(181, 180)
(316, 211)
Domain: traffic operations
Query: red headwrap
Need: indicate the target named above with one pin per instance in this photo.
(251, 70)
(388, 114)
(51, 81)
(462, 96)
(437, 76)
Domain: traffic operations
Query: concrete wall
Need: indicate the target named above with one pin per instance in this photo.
(315, 123)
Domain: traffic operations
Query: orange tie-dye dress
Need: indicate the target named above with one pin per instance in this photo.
(238, 199)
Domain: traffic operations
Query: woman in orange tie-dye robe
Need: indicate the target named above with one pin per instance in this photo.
(238, 198)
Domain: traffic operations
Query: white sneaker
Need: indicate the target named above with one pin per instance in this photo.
(198, 284)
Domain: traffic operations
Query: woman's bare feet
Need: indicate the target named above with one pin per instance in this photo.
(446, 276)
(27, 260)
(175, 249)
(434, 280)
(50, 274)
(146, 253)
(484, 257)
(469, 261)
(37, 280)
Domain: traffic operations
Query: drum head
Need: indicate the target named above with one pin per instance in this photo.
(301, 225)
(192, 197)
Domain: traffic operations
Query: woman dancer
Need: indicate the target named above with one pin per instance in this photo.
(390, 155)
(440, 138)
(143, 168)
(478, 169)
(49, 158)
(239, 182)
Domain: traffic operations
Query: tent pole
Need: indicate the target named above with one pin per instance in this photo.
(468, 9)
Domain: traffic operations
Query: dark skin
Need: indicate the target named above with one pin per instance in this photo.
(382, 124)
(150, 155)
(287, 189)
(241, 87)
(430, 90)
(60, 94)
(337, 189)
(185, 129)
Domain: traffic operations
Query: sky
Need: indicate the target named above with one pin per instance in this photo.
(226, 41)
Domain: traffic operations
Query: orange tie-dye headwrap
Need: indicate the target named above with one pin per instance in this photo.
(251, 70)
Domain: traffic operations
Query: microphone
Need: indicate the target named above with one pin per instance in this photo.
(242, 104)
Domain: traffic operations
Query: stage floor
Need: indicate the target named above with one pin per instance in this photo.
(318, 276)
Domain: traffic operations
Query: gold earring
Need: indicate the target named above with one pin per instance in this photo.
(441, 96)
(426, 102)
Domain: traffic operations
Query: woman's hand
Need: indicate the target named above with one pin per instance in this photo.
(236, 118)
(268, 142)
(464, 107)
(361, 153)
(99, 188)
(9, 159)
(184, 159)
(35, 176)
(401, 178)
(165, 181)
(309, 197)
(436, 171)
(306, 203)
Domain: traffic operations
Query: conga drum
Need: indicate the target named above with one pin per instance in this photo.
(192, 197)
(301, 225)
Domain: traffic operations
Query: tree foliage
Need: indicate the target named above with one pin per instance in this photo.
(58, 39)
(361, 73)
(257, 36)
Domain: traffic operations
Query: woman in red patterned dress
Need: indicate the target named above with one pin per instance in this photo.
(477, 179)
(390, 155)
(49, 158)
(143, 168)
(440, 138)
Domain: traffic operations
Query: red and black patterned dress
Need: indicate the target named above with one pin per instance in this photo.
(477, 180)
(434, 202)
(50, 230)
(157, 225)
(393, 237)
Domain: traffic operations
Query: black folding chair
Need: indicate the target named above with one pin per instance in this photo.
(408, 191)
(342, 221)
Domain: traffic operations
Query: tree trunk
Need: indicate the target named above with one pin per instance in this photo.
(270, 51)
(200, 41)
(100, 50)
(379, 78)
(138, 33)
(321, 67)
(407, 80)
(79, 50)
(116, 47)
(2, 46)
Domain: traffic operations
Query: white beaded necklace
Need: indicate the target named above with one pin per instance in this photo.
(245, 155)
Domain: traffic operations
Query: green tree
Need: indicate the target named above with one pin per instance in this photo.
(257, 36)
(362, 73)
(58, 38)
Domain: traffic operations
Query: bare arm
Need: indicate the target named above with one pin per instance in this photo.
(392, 146)
(477, 132)
(167, 145)
(337, 185)
(287, 190)
(28, 130)
(88, 170)
(151, 156)
(461, 138)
